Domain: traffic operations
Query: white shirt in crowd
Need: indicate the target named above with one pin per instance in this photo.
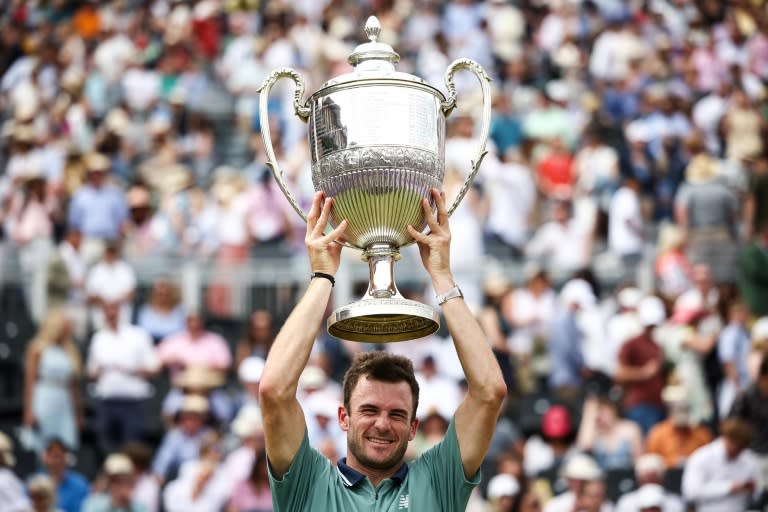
(512, 194)
(566, 502)
(118, 355)
(565, 245)
(709, 477)
(625, 224)
(628, 502)
(177, 496)
(111, 282)
(13, 497)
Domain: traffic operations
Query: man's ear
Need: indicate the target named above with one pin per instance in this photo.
(343, 418)
(414, 429)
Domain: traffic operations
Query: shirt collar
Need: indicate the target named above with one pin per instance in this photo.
(352, 477)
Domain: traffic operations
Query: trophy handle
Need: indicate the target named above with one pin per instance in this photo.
(450, 103)
(301, 110)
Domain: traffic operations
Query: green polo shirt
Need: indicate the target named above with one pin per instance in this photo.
(434, 482)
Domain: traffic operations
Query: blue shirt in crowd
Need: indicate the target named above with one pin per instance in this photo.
(98, 212)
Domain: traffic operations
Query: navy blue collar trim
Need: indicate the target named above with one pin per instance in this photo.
(351, 477)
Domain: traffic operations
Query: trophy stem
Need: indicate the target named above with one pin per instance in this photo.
(381, 267)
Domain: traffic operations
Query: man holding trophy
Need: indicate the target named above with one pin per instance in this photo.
(377, 148)
(380, 398)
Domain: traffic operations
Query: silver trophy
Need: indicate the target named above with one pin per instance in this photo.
(377, 143)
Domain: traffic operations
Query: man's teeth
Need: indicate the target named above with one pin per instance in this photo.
(379, 441)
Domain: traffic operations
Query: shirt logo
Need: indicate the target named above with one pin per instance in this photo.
(402, 503)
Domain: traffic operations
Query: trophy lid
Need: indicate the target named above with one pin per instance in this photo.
(373, 55)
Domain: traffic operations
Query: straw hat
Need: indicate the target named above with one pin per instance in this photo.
(194, 404)
(671, 236)
(198, 377)
(24, 133)
(97, 162)
(248, 423)
(701, 169)
(118, 464)
(582, 467)
(313, 377)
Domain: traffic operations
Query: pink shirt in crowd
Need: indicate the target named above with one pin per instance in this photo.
(181, 350)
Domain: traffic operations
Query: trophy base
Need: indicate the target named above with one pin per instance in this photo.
(383, 320)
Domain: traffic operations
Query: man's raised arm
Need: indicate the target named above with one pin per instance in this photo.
(475, 419)
(284, 423)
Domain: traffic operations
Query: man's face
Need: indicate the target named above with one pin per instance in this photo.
(379, 424)
(55, 458)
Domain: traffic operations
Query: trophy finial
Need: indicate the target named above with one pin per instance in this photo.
(372, 28)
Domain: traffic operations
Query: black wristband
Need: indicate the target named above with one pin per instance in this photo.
(324, 276)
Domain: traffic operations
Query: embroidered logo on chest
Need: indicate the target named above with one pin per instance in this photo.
(402, 502)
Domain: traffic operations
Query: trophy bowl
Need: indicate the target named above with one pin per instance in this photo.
(377, 145)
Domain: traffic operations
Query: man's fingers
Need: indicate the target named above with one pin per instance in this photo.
(322, 221)
(429, 216)
(417, 235)
(442, 211)
(314, 212)
(336, 233)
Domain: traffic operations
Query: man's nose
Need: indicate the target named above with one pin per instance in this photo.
(382, 422)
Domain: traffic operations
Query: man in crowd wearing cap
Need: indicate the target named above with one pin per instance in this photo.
(751, 405)
(723, 476)
(555, 445)
(580, 470)
(182, 442)
(13, 498)
(649, 476)
(98, 209)
(676, 438)
(119, 473)
(503, 491)
(71, 486)
(640, 368)
(380, 398)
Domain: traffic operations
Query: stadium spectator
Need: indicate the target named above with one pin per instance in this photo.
(162, 315)
(111, 281)
(751, 405)
(724, 474)
(42, 494)
(71, 487)
(649, 477)
(120, 483)
(182, 443)
(52, 373)
(580, 471)
(194, 346)
(614, 442)
(146, 491)
(121, 359)
(12, 489)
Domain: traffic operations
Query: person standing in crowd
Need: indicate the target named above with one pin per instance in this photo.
(753, 275)
(121, 359)
(614, 442)
(98, 209)
(723, 476)
(751, 405)
(71, 487)
(380, 400)
(162, 315)
(111, 281)
(73, 271)
(641, 368)
(52, 372)
(13, 497)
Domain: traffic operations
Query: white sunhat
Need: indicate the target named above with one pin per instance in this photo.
(250, 369)
(582, 467)
(503, 485)
(651, 311)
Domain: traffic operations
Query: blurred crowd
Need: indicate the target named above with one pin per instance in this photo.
(614, 244)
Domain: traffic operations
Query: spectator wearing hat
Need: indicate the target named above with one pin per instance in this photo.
(112, 280)
(13, 497)
(547, 451)
(121, 359)
(753, 275)
(503, 493)
(580, 470)
(724, 475)
(678, 436)
(29, 225)
(42, 494)
(649, 476)
(98, 209)
(565, 341)
(323, 430)
(751, 405)
(613, 441)
(641, 368)
(120, 480)
(200, 381)
(182, 442)
(71, 487)
(147, 489)
(146, 234)
(248, 428)
(194, 346)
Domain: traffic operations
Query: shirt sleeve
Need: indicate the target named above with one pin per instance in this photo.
(307, 469)
(443, 462)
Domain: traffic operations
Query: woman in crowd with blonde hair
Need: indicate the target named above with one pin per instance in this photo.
(52, 371)
(673, 269)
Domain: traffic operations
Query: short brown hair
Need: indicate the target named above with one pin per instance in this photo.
(381, 366)
(737, 430)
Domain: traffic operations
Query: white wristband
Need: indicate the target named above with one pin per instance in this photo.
(453, 293)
